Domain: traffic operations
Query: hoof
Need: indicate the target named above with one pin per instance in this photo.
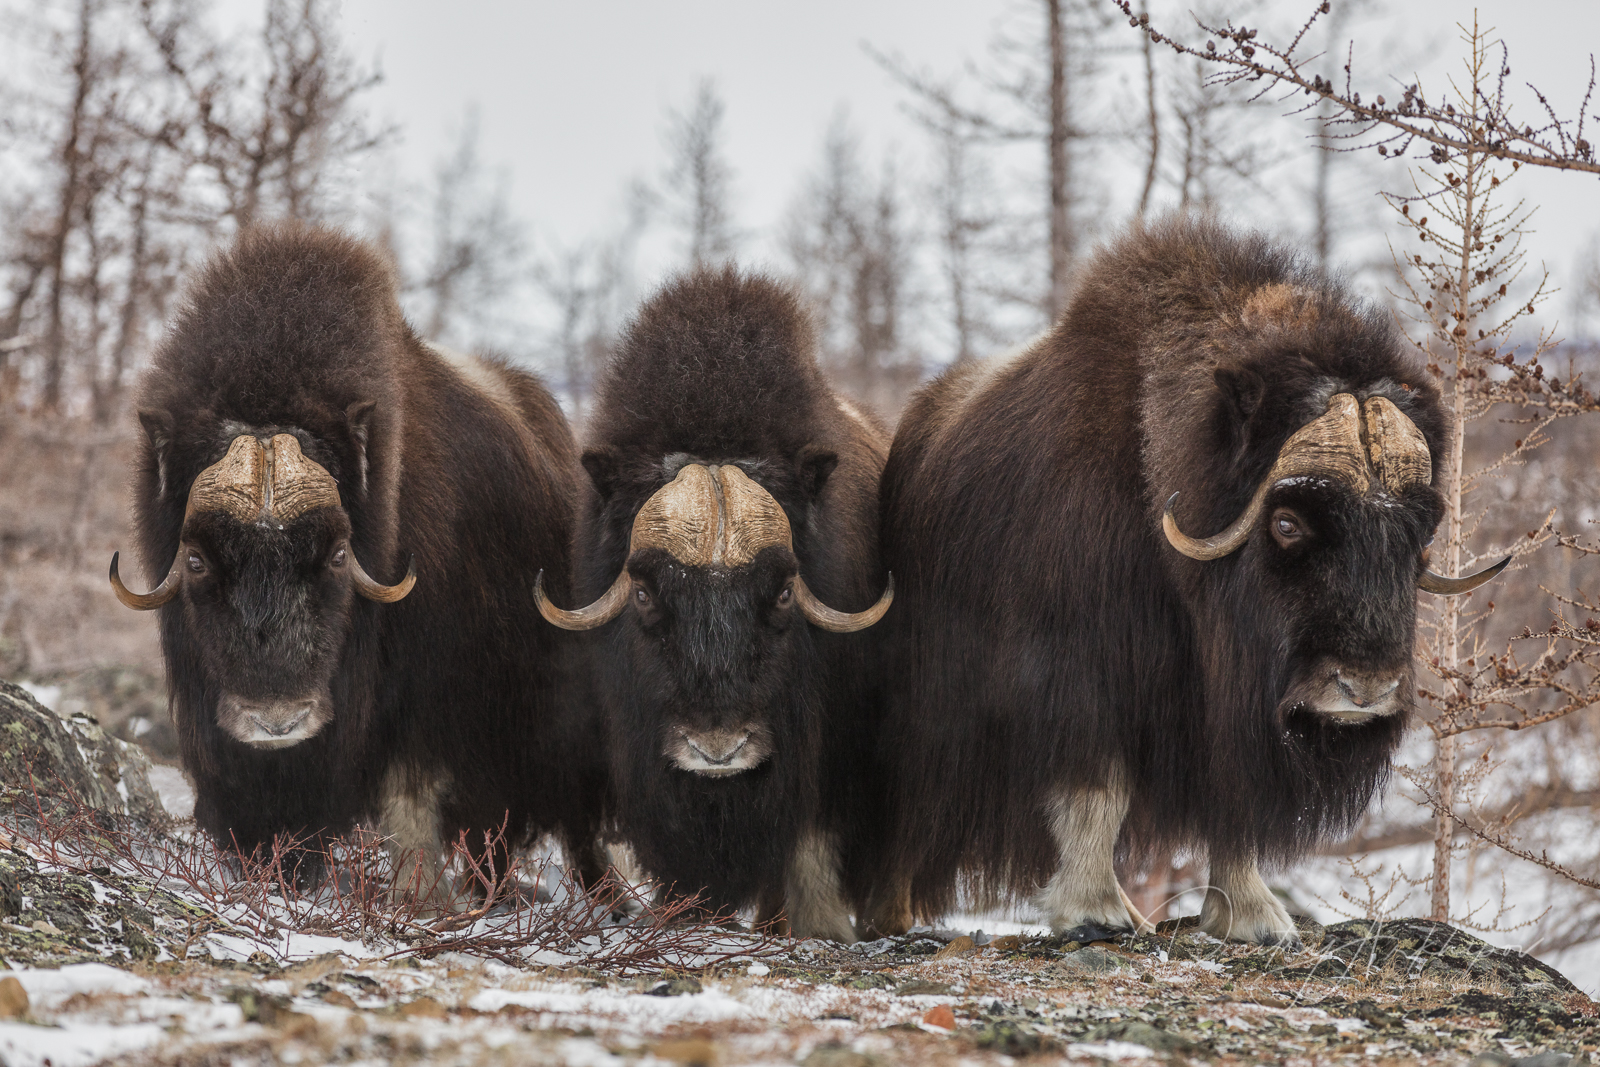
(1087, 932)
(1288, 942)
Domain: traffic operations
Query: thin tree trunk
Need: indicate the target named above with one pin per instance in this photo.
(1322, 237)
(1060, 224)
(55, 330)
(1154, 119)
(1450, 617)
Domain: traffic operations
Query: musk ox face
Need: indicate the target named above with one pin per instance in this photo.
(715, 610)
(1334, 548)
(719, 645)
(265, 577)
(269, 609)
(1340, 571)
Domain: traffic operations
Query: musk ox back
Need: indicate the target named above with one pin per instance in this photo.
(303, 447)
(727, 556)
(1070, 670)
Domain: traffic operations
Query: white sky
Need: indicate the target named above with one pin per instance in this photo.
(573, 96)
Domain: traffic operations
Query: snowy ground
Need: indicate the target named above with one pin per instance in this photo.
(228, 989)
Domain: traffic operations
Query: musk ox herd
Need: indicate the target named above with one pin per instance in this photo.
(1149, 583)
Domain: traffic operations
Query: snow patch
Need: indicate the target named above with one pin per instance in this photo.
(83, 1044)
(49, 988)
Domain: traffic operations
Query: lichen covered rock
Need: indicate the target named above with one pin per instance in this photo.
(45, 759)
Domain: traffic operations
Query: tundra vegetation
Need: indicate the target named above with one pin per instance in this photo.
(136, 138)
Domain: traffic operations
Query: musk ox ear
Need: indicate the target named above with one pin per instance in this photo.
(358, 419)
(603, 467)
(1243, 389)
(157, 423)
(815, 464)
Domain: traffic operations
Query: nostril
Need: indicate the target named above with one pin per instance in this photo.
(1349, 691)
(278, 729)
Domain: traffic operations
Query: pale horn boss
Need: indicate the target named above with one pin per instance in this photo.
(1372, 446)
(712, 516)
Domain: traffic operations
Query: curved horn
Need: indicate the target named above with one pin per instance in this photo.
(383, 594)
(1328, 446)
(1223, 543)
(1438, 583)
(155, 597)
(819, 614)
(599, 613)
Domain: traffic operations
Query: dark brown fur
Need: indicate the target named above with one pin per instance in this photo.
(298, 330)
(1045, 629)
(720, 367)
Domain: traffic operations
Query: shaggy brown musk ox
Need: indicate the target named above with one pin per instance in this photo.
(1066, 676)
(299, 438)
(735, 512)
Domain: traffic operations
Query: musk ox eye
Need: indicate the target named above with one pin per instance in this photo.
(785, 595)
(1286, 527)
(338, 557)
(641, 597)
(196, 564)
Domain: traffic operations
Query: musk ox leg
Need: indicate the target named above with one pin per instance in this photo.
(888, 909)
(814, 891)
(1084, 891)
(1240, 907)
(408, 818)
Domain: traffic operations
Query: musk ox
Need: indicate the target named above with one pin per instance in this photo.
(729, 550)
(1071, 671)
(302, 445)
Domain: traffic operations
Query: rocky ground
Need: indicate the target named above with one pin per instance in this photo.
(100, 963)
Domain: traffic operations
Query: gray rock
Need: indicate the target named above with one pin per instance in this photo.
(921, 987)
(54, 759)
(1089, 960)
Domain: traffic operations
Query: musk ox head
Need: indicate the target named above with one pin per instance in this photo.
(264, 575)
(1338, 534)
(713, 599)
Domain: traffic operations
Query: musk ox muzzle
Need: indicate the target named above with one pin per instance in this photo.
(268, 485)
(277, 723)
(1358, 444)
(711, 516)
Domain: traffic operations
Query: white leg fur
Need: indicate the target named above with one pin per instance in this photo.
(409, 822)
(1085, 824)
(1240, 907)
(812, 892)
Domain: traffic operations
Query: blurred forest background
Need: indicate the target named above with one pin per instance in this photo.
(136, 136)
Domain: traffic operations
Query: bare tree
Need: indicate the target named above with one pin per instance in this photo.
(591, 289)
(852, 247)
(1459, 287)
(1034, 90)
(698, 178)
(1439, 130)
(966, 219)
(271, 127)
(476, 248)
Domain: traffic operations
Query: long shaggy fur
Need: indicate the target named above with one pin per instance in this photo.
(469, 467)
(720, 367)
(1045, 631)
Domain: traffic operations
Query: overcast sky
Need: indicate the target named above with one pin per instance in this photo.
(573, 96)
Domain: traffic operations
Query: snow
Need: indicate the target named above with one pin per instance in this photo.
(710, 1006)
(46, 989)
(173, 789)
(48, 695)
(1111, 1050)
(22, 1045)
